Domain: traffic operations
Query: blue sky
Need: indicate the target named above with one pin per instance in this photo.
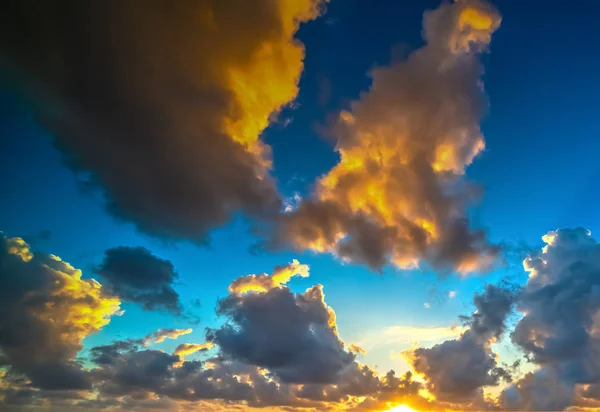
(539, 169)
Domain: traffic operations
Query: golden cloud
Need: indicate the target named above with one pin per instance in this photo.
(189, 348)
(397, 194)
(160, 335)
(263, 282)
(47, 310)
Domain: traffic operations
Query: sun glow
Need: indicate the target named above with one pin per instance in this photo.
(401, 408)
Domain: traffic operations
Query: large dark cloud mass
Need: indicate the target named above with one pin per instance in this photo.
(46, 310)
(560, 329)
(398, 194)
(161, 103)
(136, 275)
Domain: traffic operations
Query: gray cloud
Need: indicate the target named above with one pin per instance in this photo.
(293, 335)
(457, 370)
(46, 310)
(560, 329)
(136, 275)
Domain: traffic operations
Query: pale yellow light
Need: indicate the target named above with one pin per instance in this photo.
(401, 408)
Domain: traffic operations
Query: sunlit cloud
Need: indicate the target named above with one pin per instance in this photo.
(398, 194)
(263, 282)
(46, 311)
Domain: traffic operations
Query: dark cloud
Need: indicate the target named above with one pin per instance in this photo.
(283, 353)
(293, 335)
(398, 194)
(136, 275)
(457, 370)
(46, 310)
(161, 104)
(560, 329)
(492, 308)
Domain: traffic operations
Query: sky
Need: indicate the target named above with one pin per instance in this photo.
(273, 205)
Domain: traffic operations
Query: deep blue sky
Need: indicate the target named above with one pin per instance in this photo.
(540, 169)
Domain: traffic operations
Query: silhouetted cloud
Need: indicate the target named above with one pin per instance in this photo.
(161, 104)
(136, 275)
(457, 370)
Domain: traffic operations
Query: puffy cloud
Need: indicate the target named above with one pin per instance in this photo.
(560, 327)
(293, 335)
(298, 363)
(136, 275)
(46, 310)
(160, 335)
(398, 193)
(189, 348)
(159, 103)
(263, 282)
(457, 370)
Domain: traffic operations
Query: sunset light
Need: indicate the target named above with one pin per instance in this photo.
(299, 205)
(401, 408)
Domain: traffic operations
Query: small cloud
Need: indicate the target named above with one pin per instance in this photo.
(160, 335)
(356, 349)
(291, 203)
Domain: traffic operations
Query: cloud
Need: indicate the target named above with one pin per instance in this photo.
(46, 310)
(457, 370)
(398, 194)
(162, 104)
(190, 348)
(560, 327)
(136, 275)
(280, 350)
(293, 335)
(160, 335)
(263, 282)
